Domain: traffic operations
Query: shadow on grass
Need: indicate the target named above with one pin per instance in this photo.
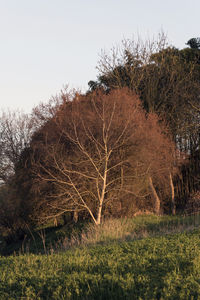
(124, 271)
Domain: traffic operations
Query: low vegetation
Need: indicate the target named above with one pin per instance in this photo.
(49, 239)
(112, 262)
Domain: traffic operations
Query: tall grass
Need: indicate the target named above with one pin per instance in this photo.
(130, 229)
(55, 239)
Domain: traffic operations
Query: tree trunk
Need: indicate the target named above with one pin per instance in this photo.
(99, 215)
(103, 191)
(75, 216)
(55, 222)
(156, 198)
(172, 195)
(64, 217)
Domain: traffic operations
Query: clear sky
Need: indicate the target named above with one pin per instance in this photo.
(46, 44)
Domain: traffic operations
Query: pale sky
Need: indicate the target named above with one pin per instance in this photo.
(46, 44)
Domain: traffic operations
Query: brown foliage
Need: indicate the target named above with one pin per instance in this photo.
(97, 155)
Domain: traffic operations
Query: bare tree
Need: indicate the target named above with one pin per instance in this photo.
(126, 65)
(88, 156)
(165, 78)
(16, 130)
(93, 151)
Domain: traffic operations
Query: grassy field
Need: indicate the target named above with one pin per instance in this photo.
(142, 258)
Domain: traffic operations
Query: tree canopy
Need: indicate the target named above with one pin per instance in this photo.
(194, 43)
(99, 153)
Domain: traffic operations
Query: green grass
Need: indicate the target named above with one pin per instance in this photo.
(162, 267)
(146, 257)
(48, 239)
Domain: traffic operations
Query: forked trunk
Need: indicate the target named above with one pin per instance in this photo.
(156, 198)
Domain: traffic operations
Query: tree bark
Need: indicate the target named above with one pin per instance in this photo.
(75, 216)
(156, 198)
(172, 195)
(64, 217)
(99, 215)
(55, 222)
